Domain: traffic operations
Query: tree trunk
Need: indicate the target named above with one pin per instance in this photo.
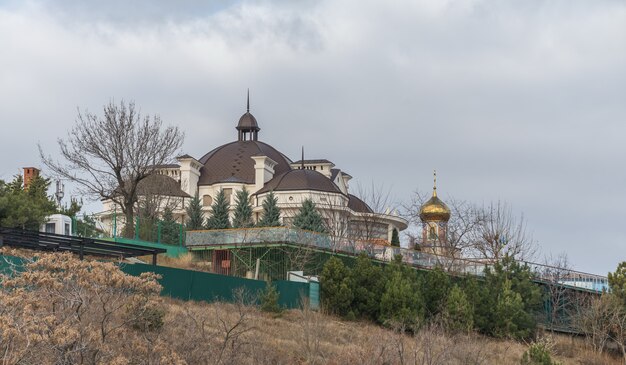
(129, 227)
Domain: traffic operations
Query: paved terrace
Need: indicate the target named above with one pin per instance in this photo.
(233, 238)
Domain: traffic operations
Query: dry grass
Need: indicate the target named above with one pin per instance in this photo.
(307, 337)
(235, 333)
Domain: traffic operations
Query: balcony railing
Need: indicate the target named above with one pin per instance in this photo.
(285, 235)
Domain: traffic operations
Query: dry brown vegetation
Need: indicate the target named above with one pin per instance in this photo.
(66, 311)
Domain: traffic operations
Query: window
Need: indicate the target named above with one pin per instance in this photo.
(67, 229)
(432, 232)
(207, 200)
(50, 227)
(228, 193)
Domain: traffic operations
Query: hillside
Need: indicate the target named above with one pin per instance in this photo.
(62, 310)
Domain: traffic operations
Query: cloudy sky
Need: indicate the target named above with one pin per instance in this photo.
(517, 101)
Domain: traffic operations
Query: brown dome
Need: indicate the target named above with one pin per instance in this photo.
(248, 122)
(358, 205)
(301, 179)
(233, 162)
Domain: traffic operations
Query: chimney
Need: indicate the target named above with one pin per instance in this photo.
(263, 171)
(30, 173)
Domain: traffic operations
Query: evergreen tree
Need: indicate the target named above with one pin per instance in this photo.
(73, 210)
(243, 210)
(271, 213)
(509, 307)
(366, 281)
(86, 227)
(26, 209)
(395, 239)
(458, 313)
(617, 282)
(401, 302)
(269, 299)
(195, 218)
(437, 284)
(170, 230)
(308, 218)
(220, 213)
(509, 301)
(336, 292)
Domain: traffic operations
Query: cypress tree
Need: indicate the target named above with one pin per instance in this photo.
(395, 239)
(219, 218)
(195, 218)
(308, 218)
(243, 210)
(271, 213)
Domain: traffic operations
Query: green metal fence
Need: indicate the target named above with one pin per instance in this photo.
(197, 285)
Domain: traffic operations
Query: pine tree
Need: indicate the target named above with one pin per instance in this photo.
(401, 302)
(458, 313)
(243, 210)
(366, 281)
(271, 213)
(395, 240)
(73, 209)
(170, 230)
(335, 289)
(436, 284)
(220, 216)
(308, 218)
(26, 209)
(195, 218)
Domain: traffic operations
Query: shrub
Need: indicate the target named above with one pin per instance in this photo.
(269, 299)
(538, 353)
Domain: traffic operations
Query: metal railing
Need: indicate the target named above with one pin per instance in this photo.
(282, 235)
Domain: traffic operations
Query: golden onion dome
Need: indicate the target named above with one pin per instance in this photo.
(434, 210)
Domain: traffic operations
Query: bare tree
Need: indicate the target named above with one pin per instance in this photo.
(336, 217)
(109, 156)
(500, 233)
(556, 270)
(378, 198)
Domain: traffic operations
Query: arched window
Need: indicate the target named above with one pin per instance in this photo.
(207, 200)
(432, 232)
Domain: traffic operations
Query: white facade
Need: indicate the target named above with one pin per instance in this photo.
(330, 190)
(58, 224)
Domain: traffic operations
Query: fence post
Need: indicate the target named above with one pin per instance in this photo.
(115, 223)
(159, 231)
(81, 248)
(180, 236)
(136, 228)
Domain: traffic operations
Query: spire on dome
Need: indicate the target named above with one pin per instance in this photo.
(435, 183)
(248, 128)
(434, 210)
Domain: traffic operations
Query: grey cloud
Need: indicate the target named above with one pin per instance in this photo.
(509, 100)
